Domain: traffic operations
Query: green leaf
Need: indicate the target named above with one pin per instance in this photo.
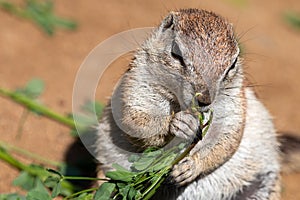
(143, 163)
(138, 195)
(181, 146)
(58, 185)
(56, 190)
(119, 167)
(152, 153)
(65, 23)
(41, 13)
(51, 181)
(164, 163)
(13, 196)
(133, 158)
(84, 196)
(104, 192)
(7, 6)
(124, 191)
(25, 181)
(132, 193)
(33, 88)
(125, 176)
(121, 185)
(293, 19)
(38, 193)
(152, 168)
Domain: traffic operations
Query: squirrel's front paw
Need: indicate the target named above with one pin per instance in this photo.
(184, 125)
(185, 171)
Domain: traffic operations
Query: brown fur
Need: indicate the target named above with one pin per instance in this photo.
(194, 51)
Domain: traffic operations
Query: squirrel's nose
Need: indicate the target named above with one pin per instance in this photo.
(204, 98)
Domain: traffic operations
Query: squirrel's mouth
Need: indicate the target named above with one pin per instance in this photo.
(205, 122)
(201, 108)
(204, 108)
(203, 99)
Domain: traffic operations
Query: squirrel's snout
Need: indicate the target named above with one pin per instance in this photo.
(204, 99)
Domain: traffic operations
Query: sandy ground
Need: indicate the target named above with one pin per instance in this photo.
(272, 62)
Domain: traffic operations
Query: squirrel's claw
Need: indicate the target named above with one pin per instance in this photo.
(184, 172)
(184, 125)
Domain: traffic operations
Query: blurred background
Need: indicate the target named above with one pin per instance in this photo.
(269, 33)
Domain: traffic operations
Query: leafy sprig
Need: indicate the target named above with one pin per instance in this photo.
(31, 175)
(292, 18)
(149, 170)
(27, 97)
(40, 12)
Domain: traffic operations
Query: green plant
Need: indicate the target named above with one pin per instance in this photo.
(40, 12)
(293, 19)
(35, 178)
(148, 171)
(27, 97)
(32, 176)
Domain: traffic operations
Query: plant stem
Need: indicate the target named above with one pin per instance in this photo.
(34, 106)
(11, 8)
(84, 178)
(163, 174)
(28, 154)
(183, 154)
(151, 191)
(35, 171)
(5, 156)
(23, 118)
(81, 192)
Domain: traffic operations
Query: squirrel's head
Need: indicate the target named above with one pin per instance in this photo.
(196, 47)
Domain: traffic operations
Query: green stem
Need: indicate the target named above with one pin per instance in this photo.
(81, 192)
(5, 156)
(152, 189)
(21, 123)
(11, 8)
(183, 154)
(28, 154)
(34, 106)
(141, 180)
(191, 146)
(156, 184)
(84, 178)
(39, 172)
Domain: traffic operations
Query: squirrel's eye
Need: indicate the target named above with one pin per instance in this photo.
(232, 69)
(177, 54)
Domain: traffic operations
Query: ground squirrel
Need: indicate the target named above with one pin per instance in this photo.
(194, 51)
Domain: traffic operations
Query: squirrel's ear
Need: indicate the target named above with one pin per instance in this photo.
(168, 21)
